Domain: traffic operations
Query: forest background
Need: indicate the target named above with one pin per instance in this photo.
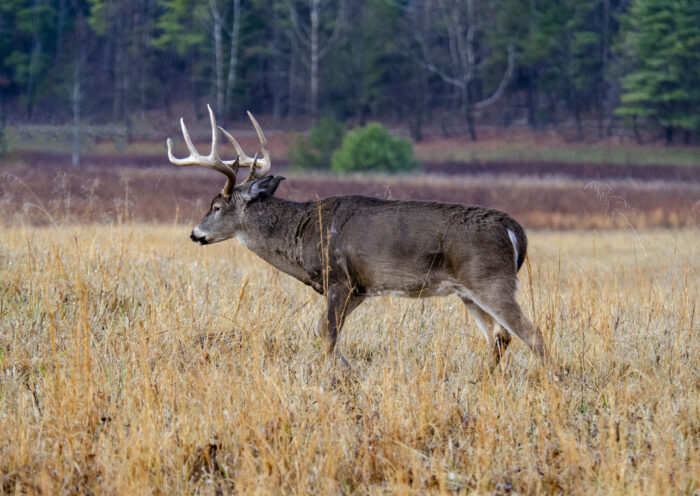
(593, 68)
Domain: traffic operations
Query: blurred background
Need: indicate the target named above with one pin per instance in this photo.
(568, 114)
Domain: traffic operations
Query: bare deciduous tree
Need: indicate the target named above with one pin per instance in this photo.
(450, 49)
(310, 34)
(224, 90)
(217, 26)
(76, 88)
(233, 54)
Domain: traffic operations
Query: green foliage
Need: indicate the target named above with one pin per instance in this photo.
(25, 28)
(660, 42)
(176, 28)
(384, 57)
(315, 151)
(372, 149)
(99, 16)
(565, 50)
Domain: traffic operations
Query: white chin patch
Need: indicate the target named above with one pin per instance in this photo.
(198, 233)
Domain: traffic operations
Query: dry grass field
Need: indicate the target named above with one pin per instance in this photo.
(44, 194)
(135, 362)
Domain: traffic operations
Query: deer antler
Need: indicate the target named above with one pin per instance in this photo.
(212, 161)
(252, 162)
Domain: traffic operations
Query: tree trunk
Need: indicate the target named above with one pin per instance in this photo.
(34, 59)
(218, 54)
(468, 111)
(60, 31)
(76, 91)
(75, 102)
(606, 107)
(310, 39)
(168, 105)
(143, 52)
(313, 83)
(277, 80)
(233, 55)
(635, 129)
(579, 124)
(195, 94)
(126, 86)
(292, 105)
(417, 111)
(118, 40)
(531, 99)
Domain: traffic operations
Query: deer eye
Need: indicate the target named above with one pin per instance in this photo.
(216, 209)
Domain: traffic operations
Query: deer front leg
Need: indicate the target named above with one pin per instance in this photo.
(341, 301)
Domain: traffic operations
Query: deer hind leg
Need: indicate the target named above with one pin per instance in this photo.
(497, 338)
(340, 303)
(498, 300)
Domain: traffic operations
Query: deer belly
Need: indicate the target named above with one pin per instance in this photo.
(409, 276)
(424, 290)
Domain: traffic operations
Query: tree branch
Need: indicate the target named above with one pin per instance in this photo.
(336, 31)
(445, 77)
(504, 82)
(299, 29)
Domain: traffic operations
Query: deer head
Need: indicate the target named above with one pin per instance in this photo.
(226, 215)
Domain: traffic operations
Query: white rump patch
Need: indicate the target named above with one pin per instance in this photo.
(511, 235)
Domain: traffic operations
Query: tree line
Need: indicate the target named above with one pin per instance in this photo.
(500, 62)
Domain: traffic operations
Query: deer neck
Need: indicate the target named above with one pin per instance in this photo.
(270, 231)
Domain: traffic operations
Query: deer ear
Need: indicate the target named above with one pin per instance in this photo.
(260, 189)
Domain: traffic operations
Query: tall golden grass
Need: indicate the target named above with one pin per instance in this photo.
(134, 362)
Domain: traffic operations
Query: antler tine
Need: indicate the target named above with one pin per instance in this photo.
(251, 174)
(214, 154)
(266, 162)
(252, 162)
(231, 182)
(235, 144)
(190, 147)
(188, 141)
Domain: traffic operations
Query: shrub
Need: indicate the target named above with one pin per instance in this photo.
(372, 149)
(315, 151)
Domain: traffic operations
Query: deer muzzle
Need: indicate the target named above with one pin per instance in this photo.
(202, 240)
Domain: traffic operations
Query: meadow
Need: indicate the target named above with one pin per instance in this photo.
(135, 362)
(495, 145)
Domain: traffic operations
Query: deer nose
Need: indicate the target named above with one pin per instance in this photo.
(198, 239)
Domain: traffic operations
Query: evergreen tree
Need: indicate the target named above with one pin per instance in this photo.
(660, 44)
(27, 41)
(566, 51)
(181, 38)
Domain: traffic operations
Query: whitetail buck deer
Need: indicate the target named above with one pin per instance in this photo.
(352, 247)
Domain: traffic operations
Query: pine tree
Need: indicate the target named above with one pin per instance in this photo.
(27, 30)
(565, 50)
(660, 44)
